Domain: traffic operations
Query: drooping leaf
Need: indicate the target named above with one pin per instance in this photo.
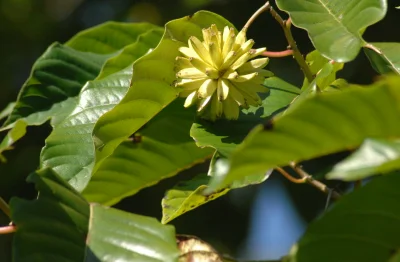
(361, 227)
(61, 226)
(57, 75)
(320, 125)
(13, 135)
(161, 149)
(187, 196)
(375, 156)
(335, 27)
(70, 149)
(225, 135)
(388, 58)
(152, 83)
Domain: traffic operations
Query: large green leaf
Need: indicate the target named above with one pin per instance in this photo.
(152, 83)
(119, 236)
(388, 58)
(375, 156)
(61, 226)
(57, 75)
(361, 227)
(160, 150)
(325, 123)
(335, 26)
(108, 37)
(70, 149)
(225, 135)
(52, 227)
(143, 44)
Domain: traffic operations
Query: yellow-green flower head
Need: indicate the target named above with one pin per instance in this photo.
(217, 72)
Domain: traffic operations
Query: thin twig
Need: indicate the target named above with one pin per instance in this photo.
(288, 52)
(286, 25)
(262, 9)
(8, 229)
(317, 184)
(289, 177)
(4, 207)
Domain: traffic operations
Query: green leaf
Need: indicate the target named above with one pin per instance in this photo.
(52, 227)
(375, 156)
(187, 196)
(55, 227)
(109, 37)
(324, 70)
(335, 26)
(319, 125)
(57, 75)
(225, 135)
(120, 236)
(361, 227)
(387, 59)
(12, 136)
(143, 44)
(161, 149)
(152, 83)
(69, 149)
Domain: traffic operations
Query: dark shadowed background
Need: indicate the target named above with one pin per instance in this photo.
(259, 222)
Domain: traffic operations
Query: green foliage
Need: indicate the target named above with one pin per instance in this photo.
(118, 127)
(55, 226)
(335, 27)
(360, 227)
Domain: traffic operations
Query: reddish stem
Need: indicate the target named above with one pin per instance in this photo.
(288, 52)
(7, 229)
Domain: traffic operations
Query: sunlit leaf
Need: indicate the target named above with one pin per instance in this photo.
(359, 228)
(320, 125)
(374, 156)
(335, 26)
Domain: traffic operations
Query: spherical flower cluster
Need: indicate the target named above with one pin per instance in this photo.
(216, 73)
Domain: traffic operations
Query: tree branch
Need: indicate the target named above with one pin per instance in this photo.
(262, 9)
(286, 25)
(8, 229)
(315, 183)
(288, 52)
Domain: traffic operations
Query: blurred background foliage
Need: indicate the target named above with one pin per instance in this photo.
(256, 222)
